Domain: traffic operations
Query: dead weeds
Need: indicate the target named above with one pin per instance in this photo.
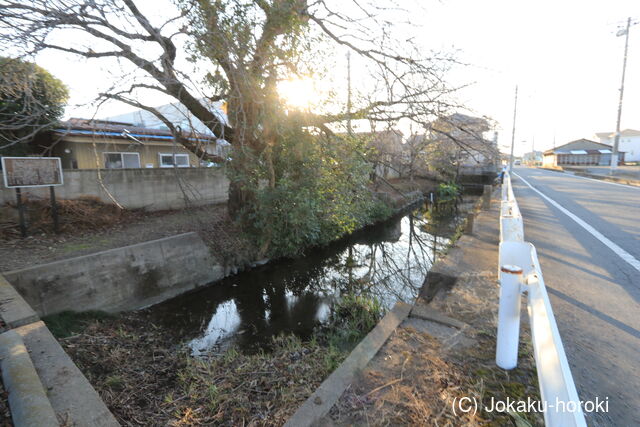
(75, 216)
(414, 381)
(147, 379)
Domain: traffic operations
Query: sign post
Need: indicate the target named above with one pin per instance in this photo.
(23, 223)
(25, 172)
(54, 210)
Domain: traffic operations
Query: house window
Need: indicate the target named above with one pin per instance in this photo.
(121, 160)
(170, 160)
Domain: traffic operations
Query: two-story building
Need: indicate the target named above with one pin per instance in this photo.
(629, 143)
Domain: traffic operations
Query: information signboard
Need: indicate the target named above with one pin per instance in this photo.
(22, 172)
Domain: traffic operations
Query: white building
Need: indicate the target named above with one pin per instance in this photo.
(629, 143)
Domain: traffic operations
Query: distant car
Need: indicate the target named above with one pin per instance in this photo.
(517, 162)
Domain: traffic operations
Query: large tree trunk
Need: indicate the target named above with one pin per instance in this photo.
(252, 134)
(239, 198)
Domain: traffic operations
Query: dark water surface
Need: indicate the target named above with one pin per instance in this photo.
(388, 261)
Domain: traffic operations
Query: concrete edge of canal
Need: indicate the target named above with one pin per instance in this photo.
(45, 387)
(326, 395)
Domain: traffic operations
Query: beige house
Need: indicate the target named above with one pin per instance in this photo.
(100, 144)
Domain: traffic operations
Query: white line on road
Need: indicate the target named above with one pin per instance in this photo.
(605, 182)
(615, 248)
(600, 181)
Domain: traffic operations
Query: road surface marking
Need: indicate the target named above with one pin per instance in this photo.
(615, 248)
(633, 187)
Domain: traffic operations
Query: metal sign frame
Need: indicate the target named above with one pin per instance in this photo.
(6, 181)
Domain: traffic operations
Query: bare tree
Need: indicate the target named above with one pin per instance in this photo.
(246, 48)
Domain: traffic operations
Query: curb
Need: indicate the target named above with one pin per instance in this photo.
(430, 314)
(328, 393)
(27, 398)
(14, 310)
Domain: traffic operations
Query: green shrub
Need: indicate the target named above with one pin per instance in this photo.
(317, 192)
(447, 192)
(353, 317)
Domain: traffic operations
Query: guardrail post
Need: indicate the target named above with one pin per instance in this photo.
(468, 227)
(486, 197)
(509, 317)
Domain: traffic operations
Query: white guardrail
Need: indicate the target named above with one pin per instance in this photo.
(520, 272)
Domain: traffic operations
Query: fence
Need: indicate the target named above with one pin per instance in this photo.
(520, 272)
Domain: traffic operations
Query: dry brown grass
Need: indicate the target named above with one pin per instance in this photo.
(414, 381)
(75, 216)
(146, 378)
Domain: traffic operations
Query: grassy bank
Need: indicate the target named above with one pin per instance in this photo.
(146, 378)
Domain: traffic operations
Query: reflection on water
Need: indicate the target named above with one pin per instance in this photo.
(388, 261)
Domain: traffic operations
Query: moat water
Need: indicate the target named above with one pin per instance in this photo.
(388, 261)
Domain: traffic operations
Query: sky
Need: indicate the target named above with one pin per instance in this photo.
(563, 55)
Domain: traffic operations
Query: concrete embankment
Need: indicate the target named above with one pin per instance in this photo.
(27, 398)
(45, 387)
(129, 277)
(119, 279)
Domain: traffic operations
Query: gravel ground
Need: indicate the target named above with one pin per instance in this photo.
(16, 253)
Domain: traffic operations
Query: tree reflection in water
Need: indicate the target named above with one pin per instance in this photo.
(388, 261)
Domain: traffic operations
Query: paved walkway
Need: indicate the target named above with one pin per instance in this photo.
(587, 235)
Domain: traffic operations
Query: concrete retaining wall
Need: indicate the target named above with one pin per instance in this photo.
(119, 279)
(151, 189)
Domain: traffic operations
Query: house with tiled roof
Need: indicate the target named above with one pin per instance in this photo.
(107, 144)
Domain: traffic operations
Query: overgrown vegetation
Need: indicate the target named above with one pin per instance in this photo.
(316, 193)
(448, 192)
(416, 380)
(145, 378)
(487, 381)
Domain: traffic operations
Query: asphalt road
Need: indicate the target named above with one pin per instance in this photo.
(593, 282)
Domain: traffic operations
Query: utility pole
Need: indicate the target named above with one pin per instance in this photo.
(349, 129)
(513, 130)
(616, 141)
(532, 160)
